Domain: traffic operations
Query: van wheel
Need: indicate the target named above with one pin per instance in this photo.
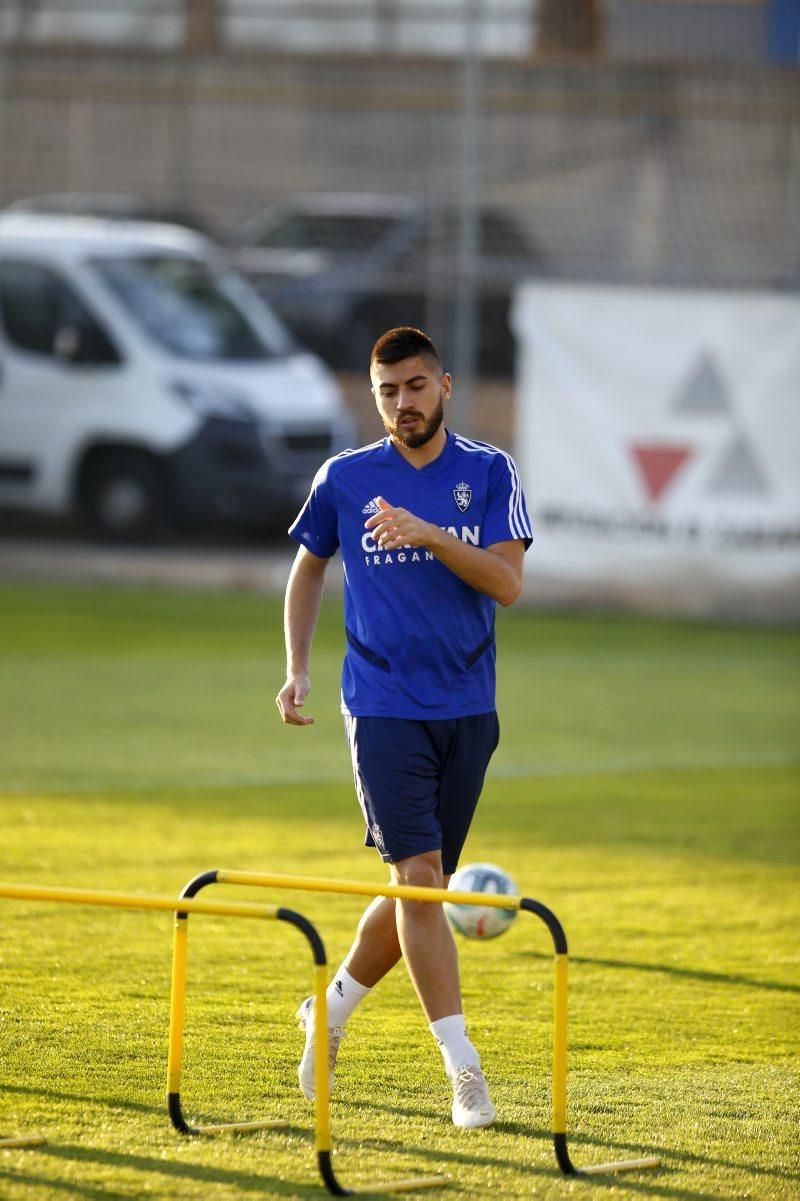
(121, 497)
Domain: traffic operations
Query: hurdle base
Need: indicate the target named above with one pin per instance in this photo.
(183, 1127)
(622, 1165)
(598, 1169)
(329, 1176)
(393, 1186)
(22, 1140)
(403, 1186)
(240, 1127)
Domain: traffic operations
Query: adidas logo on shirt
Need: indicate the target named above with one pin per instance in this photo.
(371, 507)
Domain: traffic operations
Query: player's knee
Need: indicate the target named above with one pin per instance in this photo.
(420, 871)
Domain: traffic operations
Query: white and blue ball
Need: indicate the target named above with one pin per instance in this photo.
(481, 921)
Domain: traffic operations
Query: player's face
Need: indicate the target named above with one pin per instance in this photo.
(410, 397)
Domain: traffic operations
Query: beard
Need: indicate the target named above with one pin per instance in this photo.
(413, 439)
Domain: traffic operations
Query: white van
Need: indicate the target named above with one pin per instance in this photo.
(142, 382)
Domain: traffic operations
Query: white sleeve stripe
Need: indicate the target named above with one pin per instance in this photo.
(519, 516)
(514, 500)
(518, 521)
(343, 454)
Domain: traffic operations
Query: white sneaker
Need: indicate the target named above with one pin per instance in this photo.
(305, 1072)
(472, 1105)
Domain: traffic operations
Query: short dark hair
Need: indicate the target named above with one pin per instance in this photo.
(404, 342)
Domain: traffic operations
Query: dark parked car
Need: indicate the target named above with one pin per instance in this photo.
(340, 268)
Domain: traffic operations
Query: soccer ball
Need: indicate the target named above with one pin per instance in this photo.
(481, 921)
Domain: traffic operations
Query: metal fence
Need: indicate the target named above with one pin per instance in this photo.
(451, 148)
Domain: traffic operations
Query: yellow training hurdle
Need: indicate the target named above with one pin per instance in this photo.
(188, 903)
(120, 900)
(322, 1125)
(400, 892)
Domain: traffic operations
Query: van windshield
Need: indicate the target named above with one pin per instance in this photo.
(192, 311)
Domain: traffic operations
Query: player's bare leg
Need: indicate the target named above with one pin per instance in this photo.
(376, 947)
(432, 961)
(426, 939)
(418, 932)
(375, 951)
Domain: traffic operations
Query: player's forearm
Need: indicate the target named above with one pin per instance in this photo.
(301, 611)
(485, 570)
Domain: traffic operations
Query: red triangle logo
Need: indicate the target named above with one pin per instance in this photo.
(658, 465)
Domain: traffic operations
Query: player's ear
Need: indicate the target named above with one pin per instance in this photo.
(447, 385)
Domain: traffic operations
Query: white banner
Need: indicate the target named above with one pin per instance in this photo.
(658, 434)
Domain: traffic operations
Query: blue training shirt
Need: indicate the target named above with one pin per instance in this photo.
(420, 642)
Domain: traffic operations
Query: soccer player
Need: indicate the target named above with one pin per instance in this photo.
(432, 528)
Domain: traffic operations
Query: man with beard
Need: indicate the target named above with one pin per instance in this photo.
(432, 528)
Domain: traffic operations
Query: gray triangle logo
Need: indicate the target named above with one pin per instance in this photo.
(703, 391)
(738, 473)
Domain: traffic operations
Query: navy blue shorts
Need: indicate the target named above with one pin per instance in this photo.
(418, 782)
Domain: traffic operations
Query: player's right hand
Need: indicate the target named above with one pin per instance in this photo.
(291, 698)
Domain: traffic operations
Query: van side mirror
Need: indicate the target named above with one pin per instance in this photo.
(84, 344)
(67, 343)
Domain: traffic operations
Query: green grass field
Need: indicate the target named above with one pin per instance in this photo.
(646, 788)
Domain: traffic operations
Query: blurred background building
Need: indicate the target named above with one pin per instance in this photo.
(370, 162)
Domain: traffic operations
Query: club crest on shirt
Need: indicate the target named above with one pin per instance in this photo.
(462, 494)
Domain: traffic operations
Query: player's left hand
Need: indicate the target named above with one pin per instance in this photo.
(394, 527)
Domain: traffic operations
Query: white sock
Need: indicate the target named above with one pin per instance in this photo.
(451, 1035)
(344, 995)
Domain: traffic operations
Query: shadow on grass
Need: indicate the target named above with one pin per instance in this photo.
(48, 1186)
(685, 973)
(657, 1186)
(678, 1159)
(110, 1102)
(203, 1174)
(445, 1159)
(674, 1160)
(645, 1181)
